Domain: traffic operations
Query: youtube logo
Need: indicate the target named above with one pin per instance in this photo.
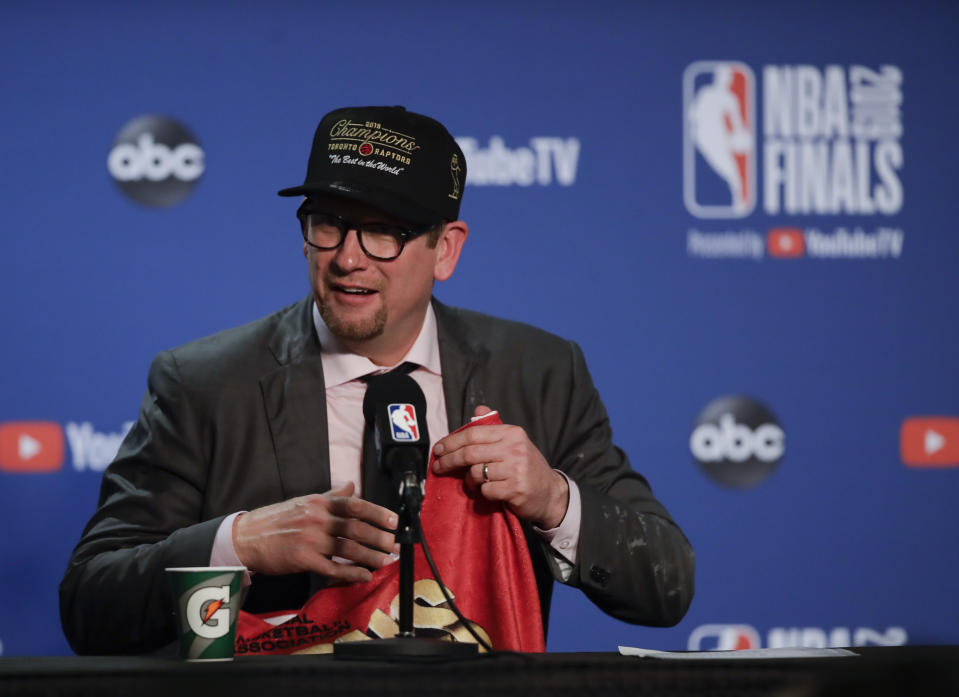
(785, 242)
(31, 446)
(930, 441)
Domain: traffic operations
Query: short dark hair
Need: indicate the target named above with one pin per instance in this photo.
(433, 236)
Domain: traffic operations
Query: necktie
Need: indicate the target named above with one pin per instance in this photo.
(377, 485)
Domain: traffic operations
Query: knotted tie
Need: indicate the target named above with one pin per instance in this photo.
(377, 484)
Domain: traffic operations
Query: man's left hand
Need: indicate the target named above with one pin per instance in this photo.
(516, 472)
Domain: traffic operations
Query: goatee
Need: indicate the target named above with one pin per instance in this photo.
(355, 330)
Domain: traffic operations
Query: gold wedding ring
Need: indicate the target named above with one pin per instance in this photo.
(485, 471)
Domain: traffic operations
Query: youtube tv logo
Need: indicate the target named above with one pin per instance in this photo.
(31, 446)
(785, 242)
(930, 441)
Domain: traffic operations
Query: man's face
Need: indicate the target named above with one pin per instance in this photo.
(376, 308)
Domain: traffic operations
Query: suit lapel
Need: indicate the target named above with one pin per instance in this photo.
(294, 394)
(294, 397)
(461, 364)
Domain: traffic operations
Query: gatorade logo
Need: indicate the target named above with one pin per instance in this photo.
(208, 613)
(31, 446)
(156, 161)
(737, 441)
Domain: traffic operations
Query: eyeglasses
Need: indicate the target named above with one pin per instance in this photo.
(380, 241)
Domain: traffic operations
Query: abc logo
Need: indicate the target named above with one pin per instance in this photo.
(737, 441)
(156, 161)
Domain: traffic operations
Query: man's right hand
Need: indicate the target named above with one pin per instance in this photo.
(302, 534)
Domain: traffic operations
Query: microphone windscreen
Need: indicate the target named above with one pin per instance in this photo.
(391, 389)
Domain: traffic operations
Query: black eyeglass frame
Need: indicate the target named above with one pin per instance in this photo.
(403, 233)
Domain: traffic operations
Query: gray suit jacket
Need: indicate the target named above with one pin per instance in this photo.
(236, 421)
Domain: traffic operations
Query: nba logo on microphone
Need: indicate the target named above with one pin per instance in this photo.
(403, 420)
(719, 139)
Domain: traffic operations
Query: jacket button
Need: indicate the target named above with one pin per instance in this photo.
(599, 575)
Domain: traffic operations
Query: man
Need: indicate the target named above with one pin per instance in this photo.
(237, 458)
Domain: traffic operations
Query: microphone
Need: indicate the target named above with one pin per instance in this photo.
(396, 408)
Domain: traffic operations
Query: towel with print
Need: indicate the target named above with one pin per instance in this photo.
(482, 556)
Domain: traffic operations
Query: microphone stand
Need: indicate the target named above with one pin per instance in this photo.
(412, 497)
(406, 646)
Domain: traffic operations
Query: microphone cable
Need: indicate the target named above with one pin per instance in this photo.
(436, 574)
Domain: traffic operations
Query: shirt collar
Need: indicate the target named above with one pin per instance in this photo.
(341, 366)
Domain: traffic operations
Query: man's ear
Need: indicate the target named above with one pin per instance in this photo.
(448, 249)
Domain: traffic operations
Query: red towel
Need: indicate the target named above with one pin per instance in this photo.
(482, 556)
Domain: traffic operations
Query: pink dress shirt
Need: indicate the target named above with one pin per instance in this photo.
(344, 409)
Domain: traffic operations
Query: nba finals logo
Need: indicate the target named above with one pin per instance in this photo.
(719, 139)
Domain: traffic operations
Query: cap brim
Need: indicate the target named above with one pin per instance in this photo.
(386, 201)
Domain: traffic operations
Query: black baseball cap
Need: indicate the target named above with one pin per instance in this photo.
(405, 164)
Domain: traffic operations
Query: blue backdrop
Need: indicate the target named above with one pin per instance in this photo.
(712, 198)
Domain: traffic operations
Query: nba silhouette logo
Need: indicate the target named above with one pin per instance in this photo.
(403, 421)
(719, 139)
(723, 637)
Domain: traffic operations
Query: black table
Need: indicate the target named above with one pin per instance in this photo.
(908, 671)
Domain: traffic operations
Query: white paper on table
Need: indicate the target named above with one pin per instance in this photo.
(736, 654)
